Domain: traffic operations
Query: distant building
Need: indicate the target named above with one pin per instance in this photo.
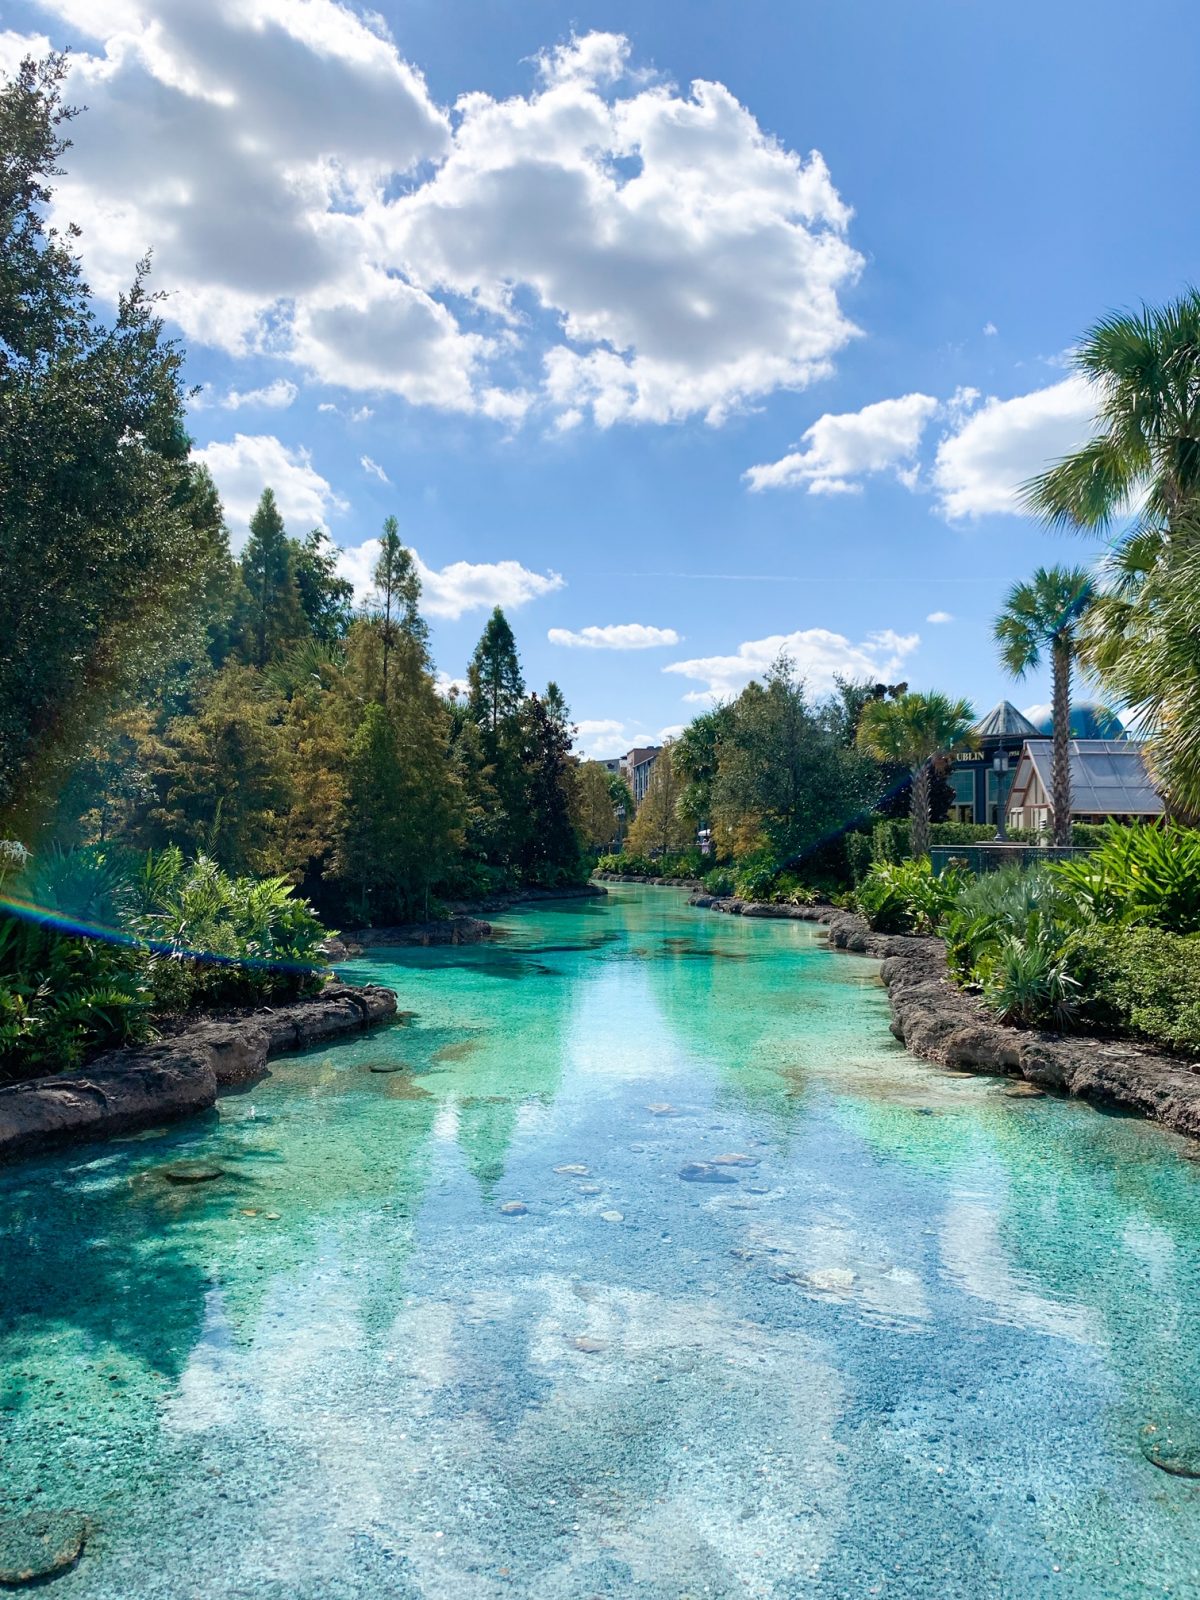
(636, 767)
(1087, 719)
(971, 774)
(612, 764)
(1109, 782)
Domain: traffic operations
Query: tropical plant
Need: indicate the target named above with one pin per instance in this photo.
(1138, 980)
(1042, 618)
(1028, 984)
(1138, 874)
(916, 729)
(907, 897)
(1144, 369)
(718, 882)
(1014, 903)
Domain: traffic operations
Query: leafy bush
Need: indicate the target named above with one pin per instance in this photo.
(1014, 903)
(1142, 981)
(719, 882)
(109, 939)
(906, 897)
(756, 877)
(1139, 874)
(859, 855)
(63, 999)
(218, 940)
(1027, 981)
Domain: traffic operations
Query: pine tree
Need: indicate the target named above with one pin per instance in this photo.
(398, 593)
(494, 677)
(549, 851)
(274, 614)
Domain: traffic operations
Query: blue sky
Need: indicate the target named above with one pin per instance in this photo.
(554, 326)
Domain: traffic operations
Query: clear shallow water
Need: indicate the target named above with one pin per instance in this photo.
(907, 1353)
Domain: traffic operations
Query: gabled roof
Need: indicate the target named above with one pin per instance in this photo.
(1004, 721)
(1108, 776)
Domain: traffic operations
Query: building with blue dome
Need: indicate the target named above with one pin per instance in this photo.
(1089, 720)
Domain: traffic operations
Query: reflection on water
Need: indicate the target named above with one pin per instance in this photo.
(447, 1322)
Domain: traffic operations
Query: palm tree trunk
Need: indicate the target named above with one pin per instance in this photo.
(1060, 759)
(918, 839)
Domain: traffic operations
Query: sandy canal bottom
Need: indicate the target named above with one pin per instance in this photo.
(904, 1344)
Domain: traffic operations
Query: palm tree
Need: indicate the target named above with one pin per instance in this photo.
(1144, 370)
(1140, 637)
(915, 729)
(1041, 618)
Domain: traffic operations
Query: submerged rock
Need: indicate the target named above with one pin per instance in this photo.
(1175, 1448)
(735, 1159)
(1024, 1091)
(612, 1216)
(661, 1108)
(513, 1208)
(38, 1544)
(574, 1169)
(193, 1172)
(588, 1345)
(704, 1172)
(386, 1066)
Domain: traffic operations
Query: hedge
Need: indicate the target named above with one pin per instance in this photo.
(1140, 981)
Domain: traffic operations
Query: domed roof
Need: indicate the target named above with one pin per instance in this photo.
(1089, 720)
(1004, 721)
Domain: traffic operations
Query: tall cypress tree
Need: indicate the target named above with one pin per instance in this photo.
(274, 615)
(494, 677)
(397, 596)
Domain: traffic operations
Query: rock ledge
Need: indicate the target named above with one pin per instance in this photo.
(178, 1077)
(936, 1020)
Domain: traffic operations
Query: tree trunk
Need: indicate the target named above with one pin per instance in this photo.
(1060, 759)
(918, 839)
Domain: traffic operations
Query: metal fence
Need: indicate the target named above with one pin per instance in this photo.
(978, 858)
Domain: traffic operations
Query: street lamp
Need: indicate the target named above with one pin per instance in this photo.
(1000, 768)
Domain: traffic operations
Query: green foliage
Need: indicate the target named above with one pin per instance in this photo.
(116, 938)
(756, 878)
(107, 537)
(906, 897)
(860, 853)
(221, 940)
(1138, 980)
(1027, 982)
(719, 882)
(785, 782)
(1014, 903)
(1139, 874)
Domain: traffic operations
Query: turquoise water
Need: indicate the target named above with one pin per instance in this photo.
(908, 1350)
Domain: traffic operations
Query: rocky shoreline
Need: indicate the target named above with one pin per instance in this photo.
(179, 1076)
(936, 1020)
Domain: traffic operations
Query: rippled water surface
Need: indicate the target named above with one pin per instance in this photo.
(907, 1348)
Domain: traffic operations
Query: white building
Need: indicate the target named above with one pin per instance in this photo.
(1109, 781)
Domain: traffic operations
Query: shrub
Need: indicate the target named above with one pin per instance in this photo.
(1014, 903)
(63, 999)
(719, 882)
(1139, 874)
(1026, 981)
(755, 878)
(859, 855)
(1142, 981)
(905, 897)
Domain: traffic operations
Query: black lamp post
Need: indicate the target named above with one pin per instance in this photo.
(1000, 768)
(620, 829)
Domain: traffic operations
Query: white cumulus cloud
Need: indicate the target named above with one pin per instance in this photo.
(982, 463)
(276, 396)
(614, 636)
(602, 245)
(457, 588)
(840, 449)
(373, 468)
(819, 656)
(245, 465)
(940, 616)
